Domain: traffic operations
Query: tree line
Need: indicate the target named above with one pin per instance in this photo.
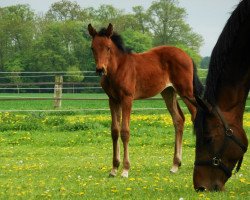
(58, 39)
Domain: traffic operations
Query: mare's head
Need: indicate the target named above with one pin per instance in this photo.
(220, 138)
(219, 148)
(105, 44)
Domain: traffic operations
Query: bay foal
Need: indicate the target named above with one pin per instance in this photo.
(127, 76)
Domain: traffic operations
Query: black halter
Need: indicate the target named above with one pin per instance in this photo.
(216, 161)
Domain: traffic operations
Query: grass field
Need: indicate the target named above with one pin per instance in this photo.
(69, 155)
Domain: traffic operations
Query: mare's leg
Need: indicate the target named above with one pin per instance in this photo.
(125, 133)
(169, 96)
(115, 109)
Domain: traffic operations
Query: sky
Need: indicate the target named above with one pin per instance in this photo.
(206, 17)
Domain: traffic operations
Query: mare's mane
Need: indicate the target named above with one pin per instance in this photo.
(220, 54)
(218, 66)
(117, 40)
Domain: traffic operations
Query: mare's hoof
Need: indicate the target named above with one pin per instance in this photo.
(113, 173)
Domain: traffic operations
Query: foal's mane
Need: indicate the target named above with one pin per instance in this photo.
(223, 47)
(219, 58)
(117, 40)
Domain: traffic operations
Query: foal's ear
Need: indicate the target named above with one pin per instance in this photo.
(91, 30)
(109, 31)
(204, 105)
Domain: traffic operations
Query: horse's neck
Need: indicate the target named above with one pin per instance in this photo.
(118, 62)
(231, 101)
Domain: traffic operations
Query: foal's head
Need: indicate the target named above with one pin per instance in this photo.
(101, 47)
(105, 44)
(219, 148)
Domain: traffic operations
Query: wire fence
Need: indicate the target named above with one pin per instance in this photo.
(89, 84)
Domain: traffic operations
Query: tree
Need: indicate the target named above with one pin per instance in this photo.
(16, 34)
(168, 25)
(66, 10)
(205, 62)
(60, 41)
(192, 53)
(107, 13)
(141, 18)
(137, 41)
(74, 74)
(125, 22)
(59, 46)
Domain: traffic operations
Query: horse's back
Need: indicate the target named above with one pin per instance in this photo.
(166, 56)
(178, 64)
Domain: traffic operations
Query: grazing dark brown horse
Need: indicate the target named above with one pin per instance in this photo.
(220, 138)
(128, 76)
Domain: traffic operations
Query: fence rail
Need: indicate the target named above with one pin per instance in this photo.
(66, 86)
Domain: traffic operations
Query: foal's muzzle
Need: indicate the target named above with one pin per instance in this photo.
(100, 71)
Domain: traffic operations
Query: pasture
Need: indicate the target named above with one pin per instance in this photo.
(68, 155)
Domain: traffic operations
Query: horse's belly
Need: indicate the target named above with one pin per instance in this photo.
(150, 90)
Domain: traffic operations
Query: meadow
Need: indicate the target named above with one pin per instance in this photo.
(68, 155)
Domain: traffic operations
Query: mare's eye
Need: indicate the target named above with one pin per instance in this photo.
(108, 48)
(208, 140)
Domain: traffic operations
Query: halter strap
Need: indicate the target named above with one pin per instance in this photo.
(229, 132)
(239, 165)
(215, 162)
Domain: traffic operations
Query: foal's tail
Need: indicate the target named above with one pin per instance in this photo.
(197, 85)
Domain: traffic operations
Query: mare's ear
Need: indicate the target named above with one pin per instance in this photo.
(109, 31)
(92, 31)
(204, 105)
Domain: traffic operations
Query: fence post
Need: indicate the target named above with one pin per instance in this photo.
(58, 91)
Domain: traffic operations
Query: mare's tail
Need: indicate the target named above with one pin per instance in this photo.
(197, 85)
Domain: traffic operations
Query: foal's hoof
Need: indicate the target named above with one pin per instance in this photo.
(124, 174)
(113, 173)
(174, 169)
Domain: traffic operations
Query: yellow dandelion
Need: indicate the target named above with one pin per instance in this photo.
(243, 180)
(114, 190)
(81, 193)
(201, 195)
(62, 189)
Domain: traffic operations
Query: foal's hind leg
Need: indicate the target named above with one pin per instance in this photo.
(192, 109)
(115, 109)
(169, 96)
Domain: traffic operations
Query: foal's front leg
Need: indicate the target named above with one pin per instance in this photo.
(125, 133)
(115, 109)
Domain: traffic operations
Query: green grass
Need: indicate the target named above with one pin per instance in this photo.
(69, 157)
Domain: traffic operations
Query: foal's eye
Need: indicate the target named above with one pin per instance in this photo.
(108, 48)
(93, 50)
